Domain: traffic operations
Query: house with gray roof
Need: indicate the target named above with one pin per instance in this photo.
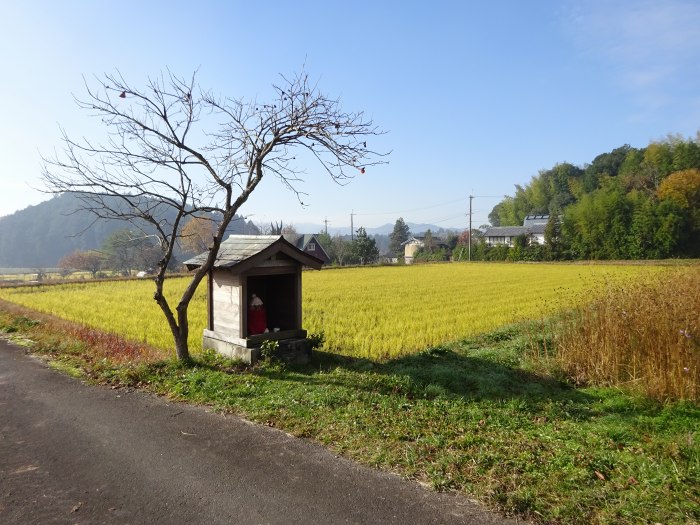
(533, 228)
(308, 243)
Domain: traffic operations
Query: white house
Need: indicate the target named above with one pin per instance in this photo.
(410, 247)
(533, 228)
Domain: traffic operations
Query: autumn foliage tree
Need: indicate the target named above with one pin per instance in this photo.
(683, 187)
(197, 235)
(87, 261)
(173, 151)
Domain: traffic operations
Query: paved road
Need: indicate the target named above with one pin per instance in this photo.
(77, 454)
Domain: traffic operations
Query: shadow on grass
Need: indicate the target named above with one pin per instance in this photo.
(451, 372)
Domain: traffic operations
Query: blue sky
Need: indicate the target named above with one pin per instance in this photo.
(475, 96)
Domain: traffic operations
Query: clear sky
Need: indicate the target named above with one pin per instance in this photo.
(475, 96)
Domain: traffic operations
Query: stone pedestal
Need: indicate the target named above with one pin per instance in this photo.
(294, 347)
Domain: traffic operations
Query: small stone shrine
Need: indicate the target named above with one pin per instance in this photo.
(254, 295)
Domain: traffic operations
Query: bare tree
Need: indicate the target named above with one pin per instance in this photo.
(175, 151)
(341, 248)
(271, 228)
(289, 229)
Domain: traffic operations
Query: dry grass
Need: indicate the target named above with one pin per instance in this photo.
(89, 342)
(644, 335)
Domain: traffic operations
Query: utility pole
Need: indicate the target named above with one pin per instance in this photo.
(471, 198)
(325, 222)
(352, 227)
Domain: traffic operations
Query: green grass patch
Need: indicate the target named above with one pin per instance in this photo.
(67, 368)
(478, 417)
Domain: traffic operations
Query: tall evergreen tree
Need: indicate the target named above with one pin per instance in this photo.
(397, 237)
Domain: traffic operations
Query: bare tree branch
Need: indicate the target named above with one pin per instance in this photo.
(173, 151)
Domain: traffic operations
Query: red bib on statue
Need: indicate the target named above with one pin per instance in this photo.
(257, 319)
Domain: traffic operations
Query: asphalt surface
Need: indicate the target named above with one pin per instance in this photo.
(80, 454)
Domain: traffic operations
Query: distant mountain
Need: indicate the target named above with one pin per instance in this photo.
(386, 229)
(39, 236)
(416, 229)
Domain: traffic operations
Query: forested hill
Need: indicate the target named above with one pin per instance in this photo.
(626, 204)
(39, 236)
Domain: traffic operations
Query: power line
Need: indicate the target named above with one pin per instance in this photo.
(445, 220)
(400, 212)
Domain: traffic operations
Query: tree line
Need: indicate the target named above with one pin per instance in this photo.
(630, 203)
(359, 249)
(363, 249)
(124, 252)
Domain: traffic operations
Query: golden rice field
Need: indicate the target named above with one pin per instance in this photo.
(378, 312)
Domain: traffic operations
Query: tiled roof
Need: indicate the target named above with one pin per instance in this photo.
(295, 239)
(438, 241)
(506, 231)
(533, 224)
(532, 220)
(413, 240)
(239, 248)
(301, 241)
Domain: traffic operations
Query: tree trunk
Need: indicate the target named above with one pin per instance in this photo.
(182, 349)
(179, 328)
(181, 340)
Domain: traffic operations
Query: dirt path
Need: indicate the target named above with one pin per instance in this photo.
(73, 453)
